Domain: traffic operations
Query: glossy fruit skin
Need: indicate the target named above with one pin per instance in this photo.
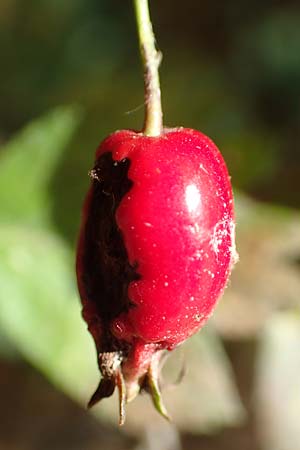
(177, 224)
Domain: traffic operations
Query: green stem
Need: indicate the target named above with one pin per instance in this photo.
(151, 58)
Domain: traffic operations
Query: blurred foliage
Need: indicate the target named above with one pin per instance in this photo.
(27, 165)
(230, 69)
(39, 310)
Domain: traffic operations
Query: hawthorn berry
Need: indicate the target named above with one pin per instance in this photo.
(155, 251)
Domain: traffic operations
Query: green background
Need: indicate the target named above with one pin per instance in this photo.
(70, 74)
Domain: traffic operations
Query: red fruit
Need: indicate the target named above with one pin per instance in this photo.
(155, 251)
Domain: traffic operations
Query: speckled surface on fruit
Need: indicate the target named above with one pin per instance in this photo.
(177, 222)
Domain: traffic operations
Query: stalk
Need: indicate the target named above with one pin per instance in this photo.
(151, 58)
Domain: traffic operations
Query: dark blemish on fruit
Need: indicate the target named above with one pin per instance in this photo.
(107, 271)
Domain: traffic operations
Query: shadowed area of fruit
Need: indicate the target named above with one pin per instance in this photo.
(229, 70)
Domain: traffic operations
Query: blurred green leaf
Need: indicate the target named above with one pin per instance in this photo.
(40, 311)
(27, 164)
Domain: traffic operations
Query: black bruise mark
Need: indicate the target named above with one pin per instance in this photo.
(107, 271)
